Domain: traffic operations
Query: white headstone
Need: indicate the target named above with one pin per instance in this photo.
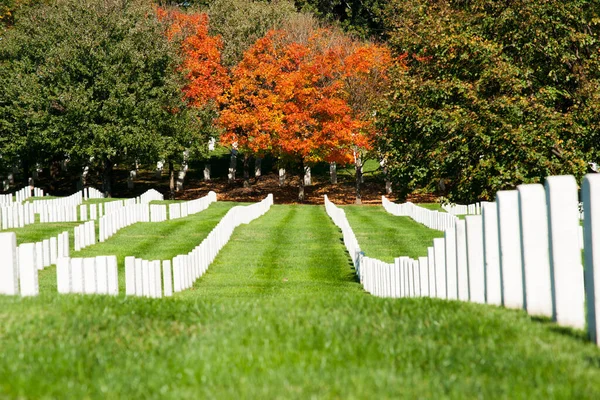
(63, 275)
(590, 194)
(130, 276)
(9, 272)
(474, 234)
(509, 234)
(101, 275)
(565, 255)
(77, 284)
(157, 278)
(491, 256)
(83, 212)
(167, 278)
(139, 278)
(432, 273)
(451, 273)
(462, 270)
(439, 249)
(534, 245)
(113, 275)
(28, 271)
(146, 278)
(424, 276)
(89, 275)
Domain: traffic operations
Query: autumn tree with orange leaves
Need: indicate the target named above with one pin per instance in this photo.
(297, 94)
(204, 79)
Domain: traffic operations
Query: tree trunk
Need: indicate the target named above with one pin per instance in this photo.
(301, 187)
(307, 177)
(388, 182)
(257, 168)
(333, 172)
(171, 181)
(25, 164)
(281, 176)
(107, 177)
(232, 167)
(246, 170)
(183, 171)
(159, 169)
(358, 167)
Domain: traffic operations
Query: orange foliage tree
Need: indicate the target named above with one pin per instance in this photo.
(204, 79)
(297, 98)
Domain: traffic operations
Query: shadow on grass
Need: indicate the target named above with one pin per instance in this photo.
(562, 330)
(353, 276)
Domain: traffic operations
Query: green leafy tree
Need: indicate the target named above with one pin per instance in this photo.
(492, 94)
(361, 17)
(241, 23)
(92, 80)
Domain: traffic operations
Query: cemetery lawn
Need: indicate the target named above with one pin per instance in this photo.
(280, 315)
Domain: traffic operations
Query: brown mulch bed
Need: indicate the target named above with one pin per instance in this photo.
(341, 193)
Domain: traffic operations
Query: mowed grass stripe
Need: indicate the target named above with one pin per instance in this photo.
(290, 250)
(384, 236)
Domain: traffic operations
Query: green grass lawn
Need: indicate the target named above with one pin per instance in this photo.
(385, 236)
(280, 315)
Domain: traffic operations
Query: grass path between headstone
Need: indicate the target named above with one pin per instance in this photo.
(279, 315)
(385, 236)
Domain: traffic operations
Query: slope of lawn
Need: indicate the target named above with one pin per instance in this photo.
(385, 236)
(279, 315)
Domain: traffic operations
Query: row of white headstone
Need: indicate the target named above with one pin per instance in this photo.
(513, 254)
(90, 211)
(462, 209)
(186, 268)
(20, 196)
(182, 210)
(524, 251)
(338, 216)
(16, 215)
(178, 210)
(90, 275)
(6, 199)
(73, 200)
(158, 212)
(26, 192)
(19, 265)
(145, 278)
(112, 222)
(85, 235)
(432, 219)
(119, 217)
